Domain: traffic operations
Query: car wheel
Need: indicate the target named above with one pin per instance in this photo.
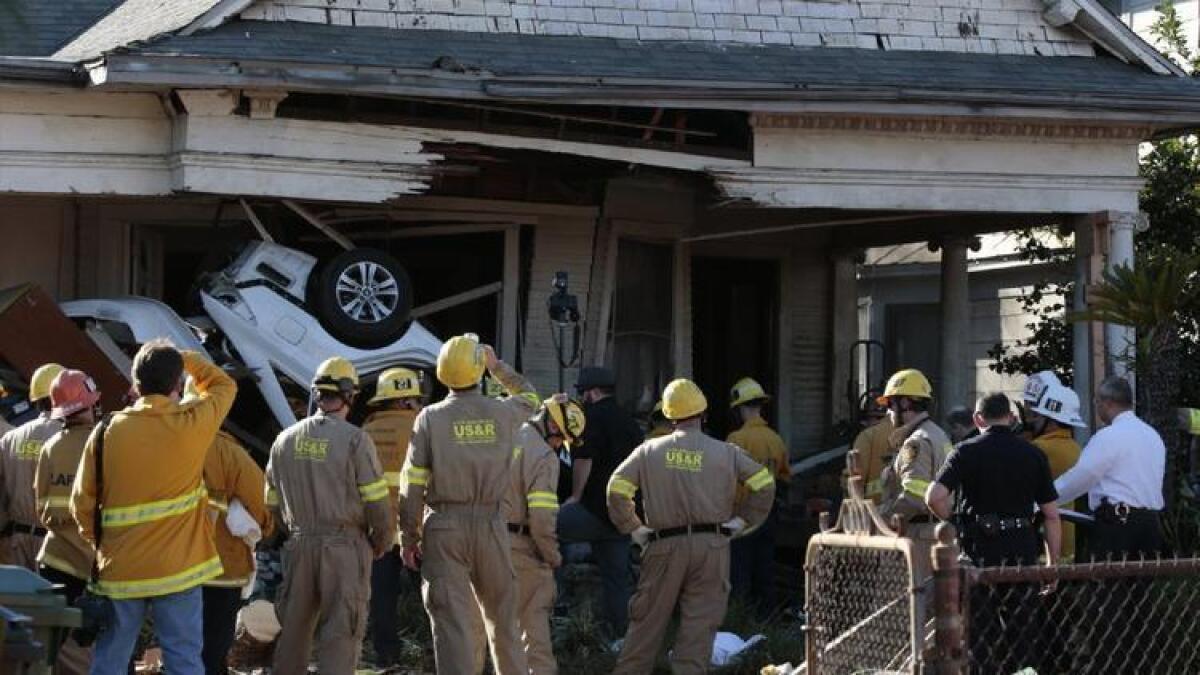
(363, 298)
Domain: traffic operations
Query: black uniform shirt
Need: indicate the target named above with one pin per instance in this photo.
(610, 435)
(999, 474)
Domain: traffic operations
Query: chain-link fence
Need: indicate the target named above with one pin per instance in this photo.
(1122, 617)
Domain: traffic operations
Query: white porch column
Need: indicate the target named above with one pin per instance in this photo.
(1121, 339)
(845, 329)
(1081, 331)
(956, 323)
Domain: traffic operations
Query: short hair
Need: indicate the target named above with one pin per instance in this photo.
(1116, 389)
(993, 406)
(157, 368)
(960, 416)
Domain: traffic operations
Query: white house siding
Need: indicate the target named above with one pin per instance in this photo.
(558, 244)
(991, 26)
(1141, 16)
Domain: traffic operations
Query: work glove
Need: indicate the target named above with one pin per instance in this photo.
(735, 525)
(641, 536)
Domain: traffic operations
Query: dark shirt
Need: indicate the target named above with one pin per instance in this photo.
(610, 435)
(998, 474)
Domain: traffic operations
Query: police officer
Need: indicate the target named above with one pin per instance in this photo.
(688, 481)
(1000, 477)
(1121, 470)
(459, 468)
(921, 449)
(397, 401)
(19, 450)
(325, 480)
(753, 555)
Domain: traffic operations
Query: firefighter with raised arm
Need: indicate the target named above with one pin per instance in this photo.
(921, 449)
(688, 482)
(326, 483)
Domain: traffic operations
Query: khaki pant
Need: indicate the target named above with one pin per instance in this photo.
(468, 566)
(693, 572)
(21, 549)
(535, 602)
(326, 587)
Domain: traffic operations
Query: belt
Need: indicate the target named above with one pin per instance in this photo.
(22, 528)
(714, 528)
(486, 511)
(992, 525)
(1121, 513)
(314, 532)
(920, 520)
(518, 528)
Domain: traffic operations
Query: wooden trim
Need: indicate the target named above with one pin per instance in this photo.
(607, 290)
(946, 125)
(510, 294)
(457, 299)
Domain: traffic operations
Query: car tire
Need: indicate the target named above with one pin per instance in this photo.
(363, 298)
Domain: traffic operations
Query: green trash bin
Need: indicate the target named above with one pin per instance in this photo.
(25, 593)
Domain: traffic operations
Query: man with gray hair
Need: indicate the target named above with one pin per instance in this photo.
(1121, 470)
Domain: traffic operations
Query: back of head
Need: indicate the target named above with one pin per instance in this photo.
(682, 400)
(157, 368)
(959, 416)
(1116, 390)
(994, 408)
(460, 362)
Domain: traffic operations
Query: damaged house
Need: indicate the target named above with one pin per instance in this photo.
(704, 172)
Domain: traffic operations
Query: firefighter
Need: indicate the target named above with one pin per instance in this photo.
(231, 476)
(21, 537)
(873, 444)
(397, 401)
(921, 449)
(65, 558)
(1049, 420)
(753, 554)
(325, 482)
(688, 481)
(459, 468)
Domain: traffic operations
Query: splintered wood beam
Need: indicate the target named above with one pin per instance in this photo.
(456, 300)
(339, 238)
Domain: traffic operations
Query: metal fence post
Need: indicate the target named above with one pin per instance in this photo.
(949, 651)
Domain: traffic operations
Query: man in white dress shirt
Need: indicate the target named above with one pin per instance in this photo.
(1121, 470)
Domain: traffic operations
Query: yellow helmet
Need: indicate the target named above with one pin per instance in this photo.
(460, 362)
(43, 377)
(745, 391)
(568, 417)
(396, 383)
(909, 382)
(336, 374)
(683, 399)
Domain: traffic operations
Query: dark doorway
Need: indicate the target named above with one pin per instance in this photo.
(735, 324)
(913, 339)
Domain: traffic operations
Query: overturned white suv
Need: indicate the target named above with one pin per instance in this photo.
(272, 316)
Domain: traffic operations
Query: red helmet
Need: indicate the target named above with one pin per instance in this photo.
(71, 392)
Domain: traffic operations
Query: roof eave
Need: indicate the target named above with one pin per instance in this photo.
(126, 70)
(26, 71)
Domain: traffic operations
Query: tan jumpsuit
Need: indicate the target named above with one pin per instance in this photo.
(64, 548)
(923, 448)
(686, 478)
(19, 452)
(459, 466)
(325, 481)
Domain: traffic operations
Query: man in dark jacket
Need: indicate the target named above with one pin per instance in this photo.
(611, 434)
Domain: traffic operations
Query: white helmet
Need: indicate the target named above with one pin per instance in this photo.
(1059, 404)
(1037, 384)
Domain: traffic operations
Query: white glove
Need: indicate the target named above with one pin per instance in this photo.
(734, 525)
(241, 524)
(641, 536)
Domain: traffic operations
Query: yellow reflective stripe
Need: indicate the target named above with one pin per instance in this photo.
(57, 502)
(374, 491)
(1194, 421)
(272, 497)
(227, 583)
(138, 514)
(176, 583)
(622, 486)
(531, 398)
(542, 500)
(759, 480)
(392, 478)
(418, 475)
(219, 504)
(916, 487)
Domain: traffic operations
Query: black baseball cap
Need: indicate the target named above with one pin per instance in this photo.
(595, 376)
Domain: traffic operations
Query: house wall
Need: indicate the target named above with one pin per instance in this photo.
(39, 244)
(996, 315)
(1009, 27)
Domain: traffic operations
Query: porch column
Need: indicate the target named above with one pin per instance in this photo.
(1121, 339)
(1081, 331)
(845, 330)
(956, 323)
